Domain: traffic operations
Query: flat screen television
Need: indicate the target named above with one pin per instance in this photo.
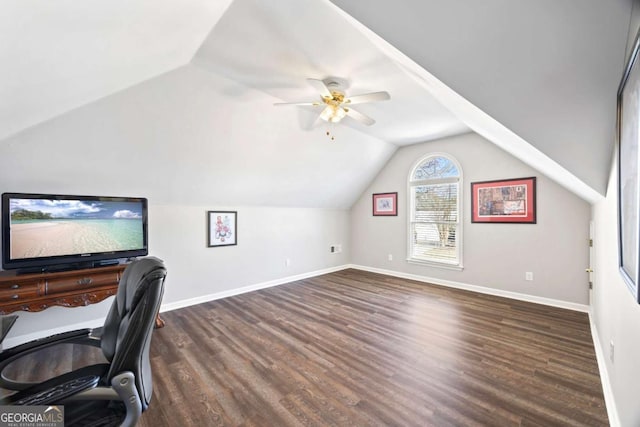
(47, 232)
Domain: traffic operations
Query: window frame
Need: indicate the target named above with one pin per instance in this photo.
(411, 206)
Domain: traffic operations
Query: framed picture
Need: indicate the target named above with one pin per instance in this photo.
(628, 185)
(385, 204)
(504, 201)
(222, 228)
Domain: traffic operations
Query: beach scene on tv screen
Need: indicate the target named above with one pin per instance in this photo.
(43, 227)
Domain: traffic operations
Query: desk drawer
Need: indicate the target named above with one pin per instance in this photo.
(17, 292)
(78, 283)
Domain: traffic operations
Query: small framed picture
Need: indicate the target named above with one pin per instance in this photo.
(222, 228)
(504, 201)
(385, 204)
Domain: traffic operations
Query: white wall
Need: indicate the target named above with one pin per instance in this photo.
(495, 256)
(267, 237)
(615, 314)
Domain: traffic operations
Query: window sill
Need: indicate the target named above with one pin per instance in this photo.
(442, 265)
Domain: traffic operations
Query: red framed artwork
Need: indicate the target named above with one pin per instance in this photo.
(504, 201)
(385, 204)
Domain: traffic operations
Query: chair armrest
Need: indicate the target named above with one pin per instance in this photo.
(61, 388)
(83, 385)
(60, 392)
(8, 356)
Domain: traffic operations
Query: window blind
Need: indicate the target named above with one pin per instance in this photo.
(434, 222)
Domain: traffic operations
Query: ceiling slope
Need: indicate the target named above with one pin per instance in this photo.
(191, 137)
(547, 71)
(59, 55)
(275, 45)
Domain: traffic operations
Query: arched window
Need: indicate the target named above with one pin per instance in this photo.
(435, 230)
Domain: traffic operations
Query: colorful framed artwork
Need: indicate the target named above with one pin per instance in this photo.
(385, 204)
(504, 201)
(222, 228)
(628, 176)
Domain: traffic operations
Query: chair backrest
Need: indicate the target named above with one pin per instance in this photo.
(126, 335)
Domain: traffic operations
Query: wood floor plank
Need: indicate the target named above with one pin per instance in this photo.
(354, 348)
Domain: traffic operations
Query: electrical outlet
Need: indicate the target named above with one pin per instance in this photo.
(390, 257)
(528, 275)
(332, 249)
(287, 262)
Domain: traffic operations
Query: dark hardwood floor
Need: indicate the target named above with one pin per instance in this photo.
(357, 348)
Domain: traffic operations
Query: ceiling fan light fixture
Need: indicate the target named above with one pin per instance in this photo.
(333, 113)
(333, 97)
(327, 113)
(338, 114)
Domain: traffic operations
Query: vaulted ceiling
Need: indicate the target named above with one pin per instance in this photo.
(195, 80)
(547, 71)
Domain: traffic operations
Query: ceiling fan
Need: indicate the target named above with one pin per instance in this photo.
(336, 103)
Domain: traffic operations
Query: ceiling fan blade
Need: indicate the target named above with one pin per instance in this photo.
(365, 120)
(320, 87)
(280, 104)
(368, 97)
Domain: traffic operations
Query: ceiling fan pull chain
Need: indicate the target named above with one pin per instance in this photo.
(330, 136)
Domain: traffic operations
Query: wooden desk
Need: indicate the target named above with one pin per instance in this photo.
(74, 288)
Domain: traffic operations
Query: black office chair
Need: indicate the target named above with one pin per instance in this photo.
(112, 393)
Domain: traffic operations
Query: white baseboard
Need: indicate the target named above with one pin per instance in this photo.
(614, 419)
(475, 288)
(231, 292)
